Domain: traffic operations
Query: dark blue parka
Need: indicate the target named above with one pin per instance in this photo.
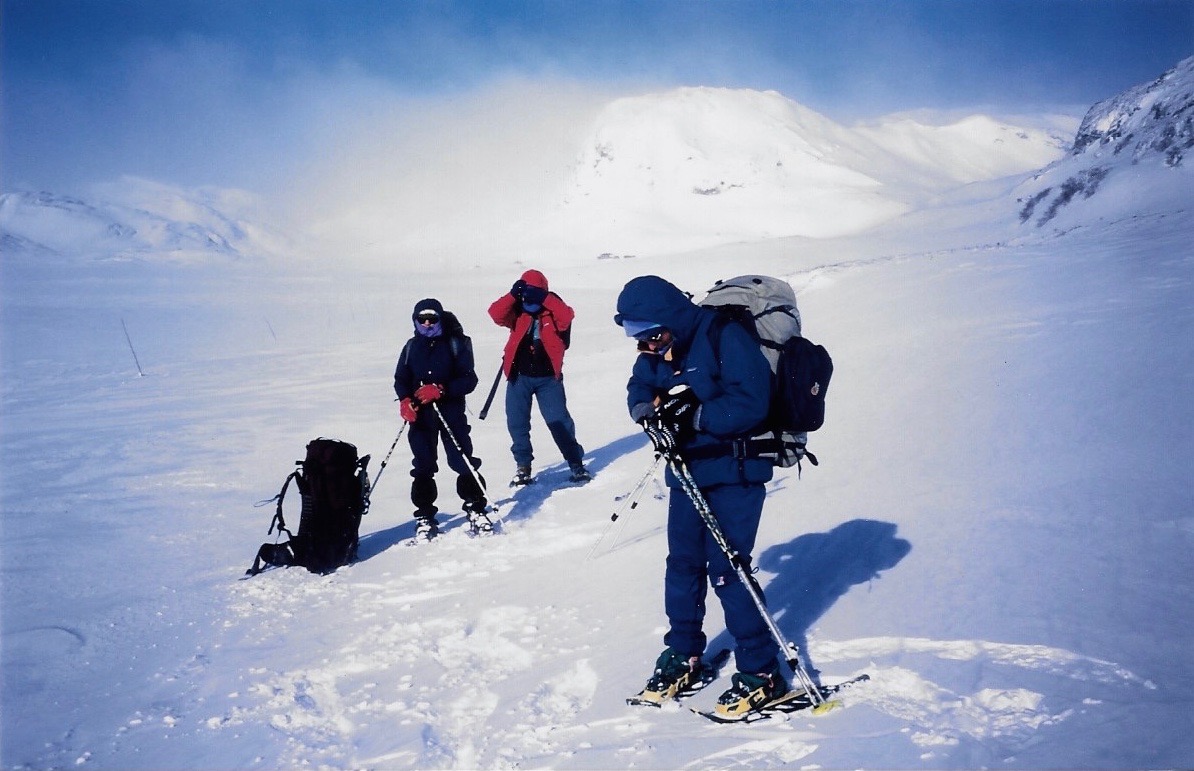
(446, 360)
(734, 391)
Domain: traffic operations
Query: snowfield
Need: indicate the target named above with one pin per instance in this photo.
(998, 533)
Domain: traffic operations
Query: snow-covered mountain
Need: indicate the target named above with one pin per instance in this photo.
(1120, 141)
(709, 165)
(1152, 119)
(139, 220)
(649, 174)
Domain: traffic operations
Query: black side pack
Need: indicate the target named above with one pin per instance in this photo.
(802, 379)
(334, 486)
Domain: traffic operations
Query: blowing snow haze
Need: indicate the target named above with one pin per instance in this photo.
(658, 173)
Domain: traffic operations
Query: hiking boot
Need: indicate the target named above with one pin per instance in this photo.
(478, 517)
(580, 474)
(750, 692)
(426, 527)
(674, 674)
(522, 477)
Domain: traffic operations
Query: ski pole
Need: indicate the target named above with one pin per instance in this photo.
(791, 652)
(629, 504)
(492, 392)
(467, 462)
(382, 467)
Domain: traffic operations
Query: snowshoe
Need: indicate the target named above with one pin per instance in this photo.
(479, 522)
(579, 475)
(522, 477)
(426, 528)
(677, 676)
(793, 701)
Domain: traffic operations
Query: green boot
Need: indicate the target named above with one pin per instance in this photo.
(675, 674)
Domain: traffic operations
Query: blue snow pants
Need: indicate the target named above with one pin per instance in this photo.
(694, 558)
(553, 405)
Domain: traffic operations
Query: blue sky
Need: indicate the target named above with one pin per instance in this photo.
(245, 92)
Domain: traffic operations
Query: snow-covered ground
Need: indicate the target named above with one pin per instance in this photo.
(998, 534)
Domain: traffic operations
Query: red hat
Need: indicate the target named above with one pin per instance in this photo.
(535, 278)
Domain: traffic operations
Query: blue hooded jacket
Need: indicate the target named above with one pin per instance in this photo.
(734, 393)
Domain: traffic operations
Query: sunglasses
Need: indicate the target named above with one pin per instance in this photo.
(428, 320)
(654, 341)
(655, 335)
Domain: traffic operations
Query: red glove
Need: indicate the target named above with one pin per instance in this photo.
(408, 411)
(426, 394)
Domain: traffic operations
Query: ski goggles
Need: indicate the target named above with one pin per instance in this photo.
(643, 331)
(427, 317)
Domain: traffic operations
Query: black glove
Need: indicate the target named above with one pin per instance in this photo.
(533, 295)
(661, 437)
(678, 413)
(516, 290)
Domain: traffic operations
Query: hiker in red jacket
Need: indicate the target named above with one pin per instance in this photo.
(540, 325)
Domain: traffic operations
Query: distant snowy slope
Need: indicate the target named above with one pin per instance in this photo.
(715, 164)
(647, 174)
(135, 219)
(1119, 142)
(973, 149)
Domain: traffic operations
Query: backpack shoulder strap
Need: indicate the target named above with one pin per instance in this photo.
(279, 521)
(404, 355)
(275, 554)
(716, 327)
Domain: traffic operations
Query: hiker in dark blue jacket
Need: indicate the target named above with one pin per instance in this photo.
(708, 392)
(434, 373)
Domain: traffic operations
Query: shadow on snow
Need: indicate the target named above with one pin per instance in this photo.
(528, 499)
(524, 502)
(813, 571)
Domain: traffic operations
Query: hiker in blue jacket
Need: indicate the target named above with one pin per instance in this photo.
(434, 374)
(708, 392)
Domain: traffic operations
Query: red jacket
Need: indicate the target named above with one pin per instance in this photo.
(555, 318)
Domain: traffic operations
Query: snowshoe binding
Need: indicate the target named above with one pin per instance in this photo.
(426, 528)
(749, 693)
(677, 676)
(522, 477)
(479, 522)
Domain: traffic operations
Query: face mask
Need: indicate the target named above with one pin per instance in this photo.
(531, 307)
(429, 330)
